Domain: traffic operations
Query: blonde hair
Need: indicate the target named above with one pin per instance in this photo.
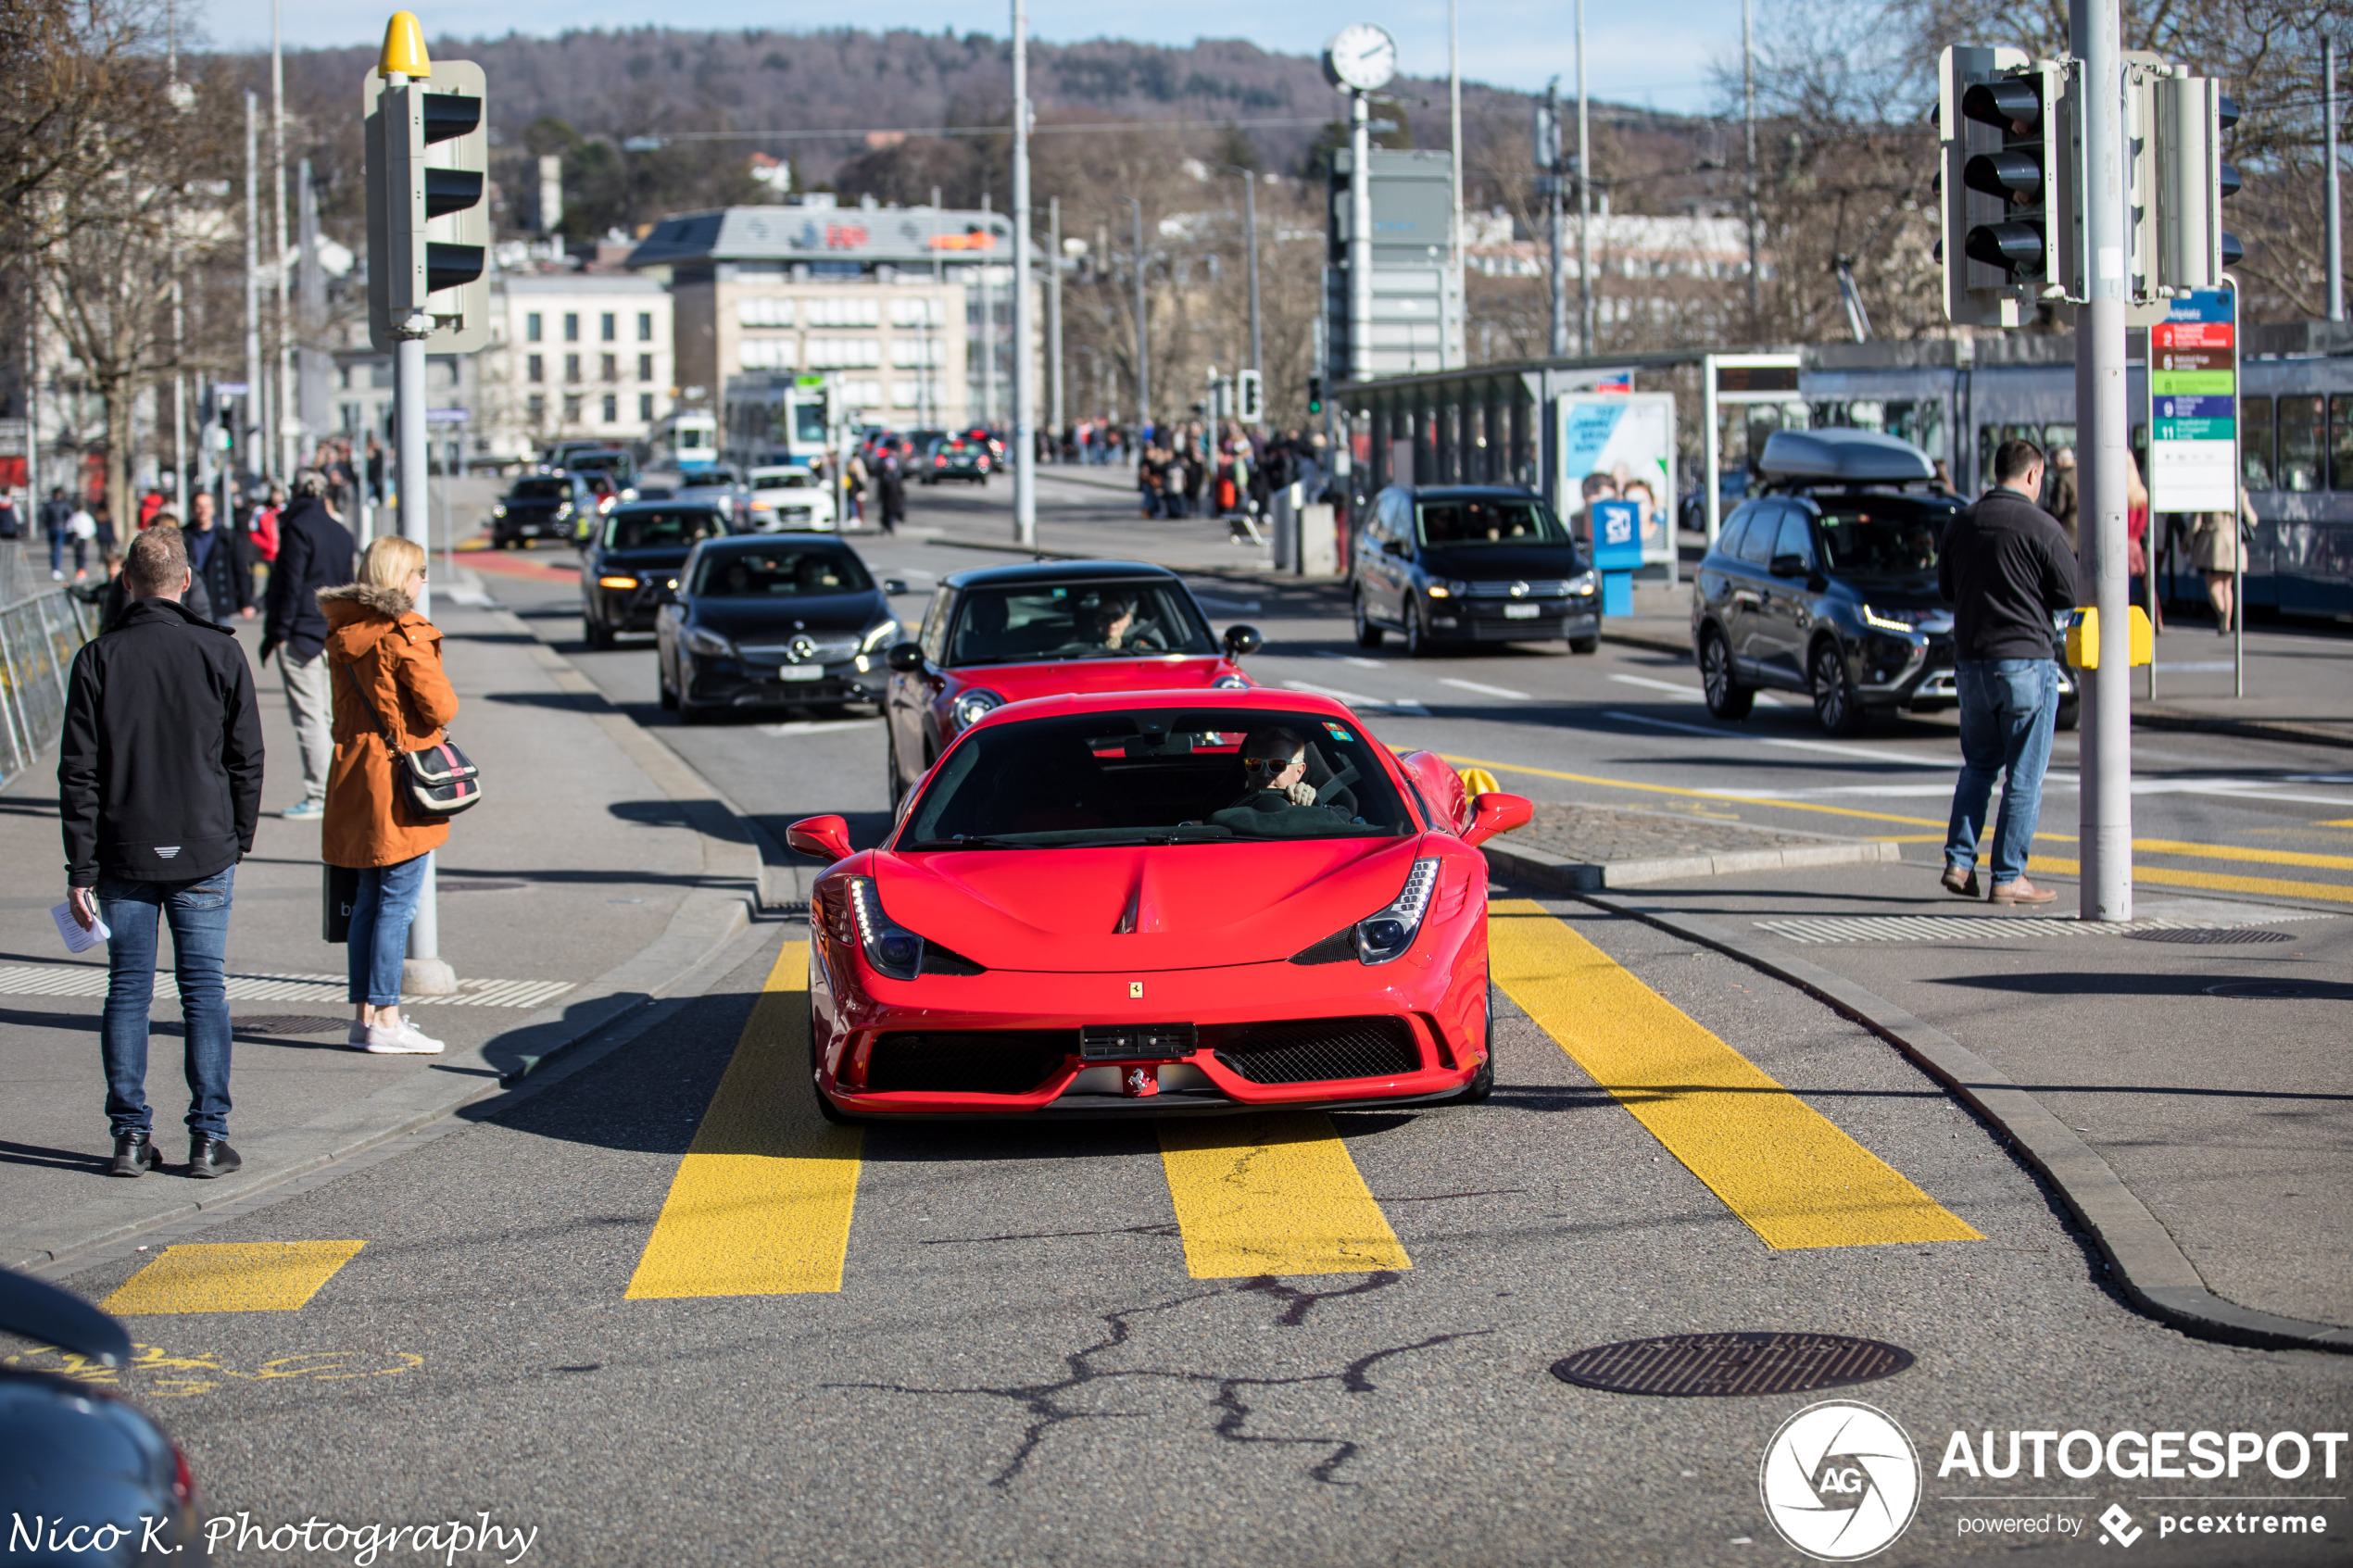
(389, 560)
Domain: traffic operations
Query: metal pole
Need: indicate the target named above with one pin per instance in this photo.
(2336, 298)
(1360, 238)
(179, 403)
(1584, 200)
(1250, 238)
(1748, 117)
(1143, 336)
(1055, 320)
(1454, 142)
(1025, 384)
(282, 369)
(1557, 211)
(32, 395)
(256, 441)
(2105, 794)
(1710, 441)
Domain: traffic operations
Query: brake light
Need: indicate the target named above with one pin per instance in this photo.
(940, 462)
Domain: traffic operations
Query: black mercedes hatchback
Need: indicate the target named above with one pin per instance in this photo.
(632, 563)
(1470, 564)
(768, 619)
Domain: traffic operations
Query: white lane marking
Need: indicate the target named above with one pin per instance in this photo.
(2224, 789)
(1227, 606)
(817, 726)
(2199, 665)
(1895, 759)
(1352, 659)
(1698, 695)
(1504, 692)
(1358, 699)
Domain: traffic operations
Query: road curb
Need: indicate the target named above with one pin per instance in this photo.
(1563, 875)
(2245, 728)
(2150, 1269)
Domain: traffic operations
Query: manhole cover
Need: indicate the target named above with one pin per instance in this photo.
(289, 1023)
(480, 887)
(2211, 935)
(1686, 1365)
(2254, 990)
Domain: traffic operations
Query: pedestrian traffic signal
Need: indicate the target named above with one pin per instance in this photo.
(1253, 395)
(428, 213)
(2190, 114)
(1976, 292)
(2023, 167)
(1314, 394)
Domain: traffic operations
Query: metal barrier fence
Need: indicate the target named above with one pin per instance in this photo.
(38, 639)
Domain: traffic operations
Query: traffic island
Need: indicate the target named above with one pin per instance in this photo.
(1589, 849)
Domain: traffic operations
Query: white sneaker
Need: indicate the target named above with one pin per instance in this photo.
(402, 1041)
(419, 1041)
(358, 1038)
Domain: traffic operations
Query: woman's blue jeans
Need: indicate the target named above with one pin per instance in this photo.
(379, 937)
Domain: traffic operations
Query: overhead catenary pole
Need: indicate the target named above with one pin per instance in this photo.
(253, 439)
(1748, 133)
(2333, 192)
(1144, 330)
(2106, 793)
(1556, 216)
(1024, 443)
(1249, 239)
(282, 366)
(1584, 198)
(178, 402)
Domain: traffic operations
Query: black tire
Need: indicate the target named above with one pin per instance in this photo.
(694, 712)
(1585, 645)
(1482, 1082)
(826, 1108)
(1416, 635)
(661, 684)
(1836, 705)
(1367, 634)
(1727, 698)
(2071, 713)
(595, 634)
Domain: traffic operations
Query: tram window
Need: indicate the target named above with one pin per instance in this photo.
(2254, 444)
(2340, 442)
(2299, 429)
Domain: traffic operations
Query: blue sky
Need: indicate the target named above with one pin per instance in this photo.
(1633, 54)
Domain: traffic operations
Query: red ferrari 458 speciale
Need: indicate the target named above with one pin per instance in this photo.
(1158, 902)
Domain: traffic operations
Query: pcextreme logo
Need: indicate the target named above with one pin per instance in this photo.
(1841, 1480)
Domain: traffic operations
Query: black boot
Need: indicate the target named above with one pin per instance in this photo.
(209, 1157)
(135, 1154)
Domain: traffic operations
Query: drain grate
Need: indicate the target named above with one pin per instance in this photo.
(2207, 937)
(289, 1023)
(1715, 1365)
(480, 885)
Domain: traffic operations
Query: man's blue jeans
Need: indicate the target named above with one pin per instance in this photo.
(379, 936)
(199, 915)
(2009, 707)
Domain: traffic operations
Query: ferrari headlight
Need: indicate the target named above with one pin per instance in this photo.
(1386, 934)
(709, 644)
(970, 707)
(877, 635)
(894, 952)
(1231, 683)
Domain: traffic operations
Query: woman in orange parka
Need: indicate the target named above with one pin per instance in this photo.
(384, 661)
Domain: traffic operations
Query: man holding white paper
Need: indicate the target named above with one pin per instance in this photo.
(160, 789)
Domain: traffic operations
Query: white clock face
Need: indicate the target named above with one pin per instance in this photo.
(1362, 56)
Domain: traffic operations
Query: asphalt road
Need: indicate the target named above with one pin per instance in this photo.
(1015, 1357)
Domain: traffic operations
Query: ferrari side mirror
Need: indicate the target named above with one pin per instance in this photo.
(826, 838)
(1494, 814)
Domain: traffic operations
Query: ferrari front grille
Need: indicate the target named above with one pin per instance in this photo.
(972, 1061)
(1313, 1050)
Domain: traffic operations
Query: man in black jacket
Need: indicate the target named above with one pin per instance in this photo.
(217, 556)
(159, 790)
(314, 552)
(2008, 569)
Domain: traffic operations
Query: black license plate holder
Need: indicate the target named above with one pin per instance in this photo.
(1137, 1042)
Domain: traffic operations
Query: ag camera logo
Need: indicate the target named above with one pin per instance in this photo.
(1841, 1481)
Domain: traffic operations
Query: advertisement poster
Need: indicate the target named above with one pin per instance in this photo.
(1618, 447)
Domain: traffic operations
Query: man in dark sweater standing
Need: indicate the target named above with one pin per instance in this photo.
(159, 791)
(2008, 569)
(314, 552)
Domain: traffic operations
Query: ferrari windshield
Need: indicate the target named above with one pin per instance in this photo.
(1020, 625)
(1156, 776)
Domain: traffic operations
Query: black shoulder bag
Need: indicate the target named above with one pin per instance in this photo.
(439, 780)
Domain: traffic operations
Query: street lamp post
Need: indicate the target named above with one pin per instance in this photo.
(1025, 389)
(1250, 238)
(1143, 335)
(1584, 198)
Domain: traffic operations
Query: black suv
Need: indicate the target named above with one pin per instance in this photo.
(542, 506)
(1470, 564)
(1827, 584)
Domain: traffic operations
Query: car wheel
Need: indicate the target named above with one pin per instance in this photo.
(1727, 698)
(2071, 713)
(1836, 704)
(661, 681)
(1585, 645)
(595, 634)
(1482, 1082)
(826, 1108)
(1417, 639)
(1367, 634)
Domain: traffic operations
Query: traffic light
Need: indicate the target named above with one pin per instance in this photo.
(1314, 395)
(2190, 114)
(428, 221)
(2025, 168)
(1976, 292)
(1252, 398)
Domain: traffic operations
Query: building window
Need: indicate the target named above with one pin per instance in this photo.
(572, 367)
(644, 326)
(645, 367)
(572, 326)
(608, 327)
(646, 408)
(613, 407)
(531, 327)
(538, 407)
(535, 367)
(612, 367)
(571, 410)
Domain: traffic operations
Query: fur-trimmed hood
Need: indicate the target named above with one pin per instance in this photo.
(390, 603)
(359, 616)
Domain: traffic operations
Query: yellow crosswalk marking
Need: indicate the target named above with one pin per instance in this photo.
(761, 1205)
(1785, 1169)
(2165, 876)
(1272, 1194)
(2237, 852)
(244, 1277)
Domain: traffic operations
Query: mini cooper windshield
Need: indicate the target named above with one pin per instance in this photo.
(1157, 776)
(1077, 621)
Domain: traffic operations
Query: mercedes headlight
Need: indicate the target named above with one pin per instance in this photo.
(709, 644)
(894, 952)
(563, 509)
(880, 633)
(970, 707)
(1389, 932)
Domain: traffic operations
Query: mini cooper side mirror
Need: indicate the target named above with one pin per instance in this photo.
(905, 658)
(895, 585)
(827, 838)
(1241, 640)
(1494, 814)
